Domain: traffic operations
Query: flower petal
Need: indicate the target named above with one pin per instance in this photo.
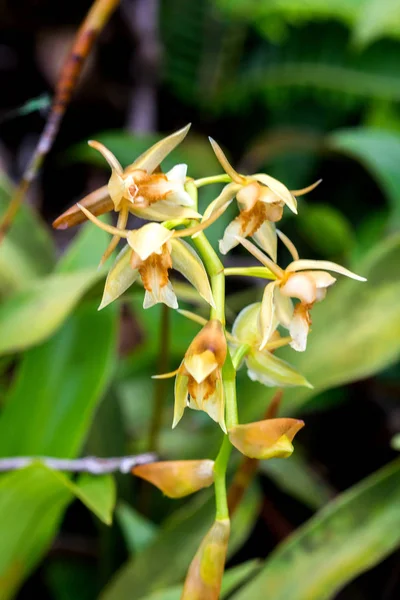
(227, 195)
(186, 261)
(181, 397)
(326, 265)
(248, 195)
(98, 202)
(299, 328)
(283, 308)
(272, 371)
(322, 279)
(229, 240)
(120, 277)
(150, 159)
(301, 286)
(161, 294)
(149, 239)
(246, 326)
(164, 211)
(177, 478)
(267, 314)
(279, 189)
(108, 155)
(200, 366)
(214, 405)
(266, 238)
(225, 164)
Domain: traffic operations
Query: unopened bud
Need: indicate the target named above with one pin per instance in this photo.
(271, 438)
(178, 478)
(203, 581)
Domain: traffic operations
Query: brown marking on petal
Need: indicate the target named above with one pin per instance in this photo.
(251, 220)
(304, 311)
(145, 189)
(202, 391)
(156, 263)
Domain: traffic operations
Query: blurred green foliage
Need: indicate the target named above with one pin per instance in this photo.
(313, 89)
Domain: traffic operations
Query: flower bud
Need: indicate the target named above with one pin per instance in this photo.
(203, 581)
(177, 478)
(271, 438)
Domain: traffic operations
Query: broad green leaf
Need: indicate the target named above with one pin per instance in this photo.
(99, 494)
(355, 332)
(32, 502)
(137, 530)
(377, 19)
(232, 579)
(57, 387)
(27, 251)
(30, 316)
(175, 545)
(297, 478)
(379, 152)
(352, 534)
(86, 249)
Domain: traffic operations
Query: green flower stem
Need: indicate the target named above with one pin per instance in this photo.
(223, 178)
(220, 466)
(262, 272)
(215, 270)
(239, 354)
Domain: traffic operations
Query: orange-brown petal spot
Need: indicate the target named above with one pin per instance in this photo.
(147, 189)
(98, 202)
(178, 478)
(154, 270)
(203, 581)
(271, 438)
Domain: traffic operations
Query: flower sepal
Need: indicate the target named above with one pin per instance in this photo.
(177, 478)
(271, 438)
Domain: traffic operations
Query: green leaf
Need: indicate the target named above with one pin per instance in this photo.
(379, 152)
(297, 478)
(32, 315)
(175, 545)
(232, 579)
(57, 387)
(352, 534)
(27, 251)
(138, 531)
(32, 502)
(86, 249)
(98, 493)
(355, 333)
(377, 19)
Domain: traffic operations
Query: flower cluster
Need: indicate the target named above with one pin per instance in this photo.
(205, 379)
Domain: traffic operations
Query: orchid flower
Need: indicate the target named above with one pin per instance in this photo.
(262, 365)
(261, 200)
(151, 251)
(198, 382)
(138, 189)
(306, 280)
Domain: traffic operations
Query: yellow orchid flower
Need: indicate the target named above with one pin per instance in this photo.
(271, 438)
(261, 200)
(198, 382)
(153, 250)
(138, 189)
(306, 280)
